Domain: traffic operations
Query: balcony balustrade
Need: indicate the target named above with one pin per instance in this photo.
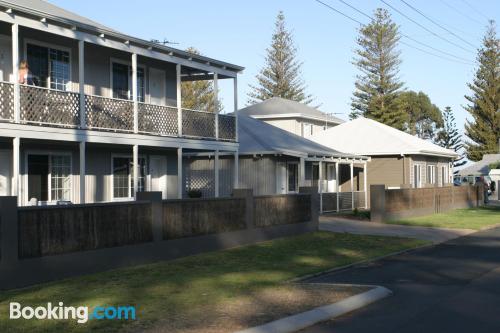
(6, 101)
(58, 108)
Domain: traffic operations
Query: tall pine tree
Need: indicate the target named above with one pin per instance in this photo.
(281, 75)
(378, 60)
(449, 138)
(200, 94)
(484, 102)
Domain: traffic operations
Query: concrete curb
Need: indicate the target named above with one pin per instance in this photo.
(309, 318)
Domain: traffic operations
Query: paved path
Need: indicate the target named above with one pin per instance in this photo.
(450, 287)
(435, 235)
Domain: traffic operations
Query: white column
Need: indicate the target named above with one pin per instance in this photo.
(15, 72)
(320, 186)
(135, 170)
(179, 100)
(81, 81)
(216, 174)
(352, 184)
(179, 173)
(235, 81)
(365, 181)
(302, 171)
(216, 104)
(134, 92)
(82, 172)
(16, 164)
(337, 180)
(236, 182)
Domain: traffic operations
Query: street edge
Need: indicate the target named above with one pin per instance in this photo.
(305, 319)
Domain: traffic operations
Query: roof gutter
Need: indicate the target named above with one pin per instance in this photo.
(120, 36)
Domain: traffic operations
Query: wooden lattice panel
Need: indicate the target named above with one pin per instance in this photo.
(6, 101)
(47, 106)
(227, 127)
(158, 120)
(198, 124)
(109, 113)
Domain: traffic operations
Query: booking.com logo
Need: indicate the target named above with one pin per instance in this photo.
(80, 313)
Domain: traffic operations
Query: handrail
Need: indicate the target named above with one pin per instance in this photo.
(201, 111)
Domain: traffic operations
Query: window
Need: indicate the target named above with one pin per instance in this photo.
(50, 67)
(293, 177)
(416, 176)
(431, 174)
(444, 176)
(49, 177)
(122, 81)
(123, 180)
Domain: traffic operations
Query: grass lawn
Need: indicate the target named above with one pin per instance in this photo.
(179, 290)
(471, 218)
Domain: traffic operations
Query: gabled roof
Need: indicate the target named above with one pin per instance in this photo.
(363, 136)
(44, 9)
(480, 167)
(256, 137)
(280, 107)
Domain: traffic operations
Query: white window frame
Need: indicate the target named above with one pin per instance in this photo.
(130, 176)
(49, 154)
(56, 47)
(130, 83)
(419, 175)
(431, 176)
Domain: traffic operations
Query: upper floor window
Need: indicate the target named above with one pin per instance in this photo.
(122, 81)
(50, 67)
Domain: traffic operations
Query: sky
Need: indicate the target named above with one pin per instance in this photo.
(240, 31)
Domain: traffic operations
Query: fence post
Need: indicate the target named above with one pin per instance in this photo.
(315, 205)
(377, 203)
(9, 240)
(497, 188)
(156, 212)
(247, 194)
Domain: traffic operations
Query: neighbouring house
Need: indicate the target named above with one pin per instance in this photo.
(294, 117)
(398, 159)
(274, 161)
(488, 166)
(101, 116)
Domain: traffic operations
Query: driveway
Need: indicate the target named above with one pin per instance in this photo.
(450, 287)
(435, 235)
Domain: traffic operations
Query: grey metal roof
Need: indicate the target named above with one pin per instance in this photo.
(480, 167)
(282, 106)
(45, 9)
(258, 137)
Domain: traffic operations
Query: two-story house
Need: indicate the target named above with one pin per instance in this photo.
(291, 116)
(99, 115)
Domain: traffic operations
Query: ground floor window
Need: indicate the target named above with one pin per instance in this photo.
(123, 180)
(431, 174)
(416, 176)
(293, 177)
(49, 177)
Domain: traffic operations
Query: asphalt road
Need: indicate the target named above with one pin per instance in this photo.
(451, 287)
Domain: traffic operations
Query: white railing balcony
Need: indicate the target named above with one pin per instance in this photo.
(49, 107)
(6, 101)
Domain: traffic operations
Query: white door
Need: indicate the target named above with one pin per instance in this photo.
(157, 86)
(5, 175)
(281, 181)
(158, 172)
(331, 181)
(5, 58)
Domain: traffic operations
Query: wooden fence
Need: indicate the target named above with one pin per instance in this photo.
(62, 241)
(400, 203)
